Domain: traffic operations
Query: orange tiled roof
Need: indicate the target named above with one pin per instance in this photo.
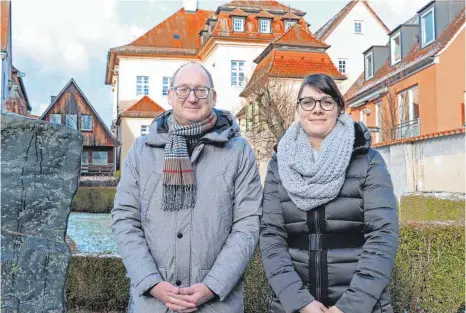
(179, 31)
(325, 31)
(238, 12)
(268, 5)
(5, 23)
(292, 64)
(145, 107)
(264, 14)
(298, 36)
(290, 16)
(414, 56)
(422, 137)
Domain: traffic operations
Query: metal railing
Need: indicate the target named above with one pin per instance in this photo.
(97, 169)
(408, 129)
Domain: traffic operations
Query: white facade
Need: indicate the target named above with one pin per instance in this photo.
(218, 63)
(130, 129)
(349, 46)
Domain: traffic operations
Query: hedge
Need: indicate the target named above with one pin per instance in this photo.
(93, 199)
(429, 276)
(432, 207)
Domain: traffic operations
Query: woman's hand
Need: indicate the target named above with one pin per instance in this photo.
(314, 307)
(334, 309)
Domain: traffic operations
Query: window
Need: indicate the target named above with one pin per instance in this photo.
(377, 114)
(85, 157)
(166, 85)
(358, 27)
(265, 26)
(72, 121)
(86, 122)
(142, 85)
(144, 130)
(289, 24)
(395, 47)
(237, 73)
(238, 24)
(55, 118)
(369, 65)
(428, 27)
(362, 116)
(100, 157)
(408, 102)
(342, 66)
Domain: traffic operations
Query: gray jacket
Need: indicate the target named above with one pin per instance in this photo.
(213, 243)
(341, 253)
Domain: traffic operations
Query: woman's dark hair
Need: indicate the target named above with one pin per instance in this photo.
(324, 84)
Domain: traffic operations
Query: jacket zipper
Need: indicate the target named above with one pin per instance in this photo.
(318, 282)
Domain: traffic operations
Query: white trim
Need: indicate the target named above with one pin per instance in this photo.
(366, 76)
(345, 60)
(269, 25)
(243, 20)
(362, 27)
(370, 96)
(423, 33)
(451, 40)
(392, 60)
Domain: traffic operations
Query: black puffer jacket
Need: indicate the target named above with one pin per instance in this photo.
(341, 253)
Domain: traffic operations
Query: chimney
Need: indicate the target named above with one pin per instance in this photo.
(52, 98)
(190, 5)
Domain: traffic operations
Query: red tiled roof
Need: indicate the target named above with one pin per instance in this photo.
(325, 31)
(290, 16)
(238, 12)
(414, 56)
(264, 14)
(292, 64)
(268, 5)
(178, 31)
(5, 16)
(422, 137)
(297, 36)
(145, 107)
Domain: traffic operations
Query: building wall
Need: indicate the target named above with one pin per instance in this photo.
(130, 128)
(346, 44)
(450, 84)
(435, 164)
(6, 68)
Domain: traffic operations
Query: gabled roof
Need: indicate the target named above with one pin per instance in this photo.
(267, 5)
(144, 107)
(291, 64)
(325, 31)
(15, 71)
(298, 37)
(238, 12)
(72, 81)
(5, 11)
(264, 14)
(290, 16)
(415, 56)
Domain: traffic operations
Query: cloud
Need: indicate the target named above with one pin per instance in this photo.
(63, 35)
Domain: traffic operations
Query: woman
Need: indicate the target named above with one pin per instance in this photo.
(329, 231)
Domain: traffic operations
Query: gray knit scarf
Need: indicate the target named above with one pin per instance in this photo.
(312, 182)
(179, 184)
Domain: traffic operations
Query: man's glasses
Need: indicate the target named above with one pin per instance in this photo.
(183, 92)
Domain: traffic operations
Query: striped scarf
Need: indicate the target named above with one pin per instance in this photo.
(179, 185)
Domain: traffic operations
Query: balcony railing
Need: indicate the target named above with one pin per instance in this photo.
(97, 169)
(408, 129)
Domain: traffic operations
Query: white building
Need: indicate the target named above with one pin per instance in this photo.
(349, 33)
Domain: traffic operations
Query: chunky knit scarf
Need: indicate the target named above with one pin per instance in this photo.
(312, 181)
(179, 185)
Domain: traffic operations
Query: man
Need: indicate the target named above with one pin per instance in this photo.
(187, 208)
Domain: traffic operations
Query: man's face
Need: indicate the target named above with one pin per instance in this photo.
(192, 109)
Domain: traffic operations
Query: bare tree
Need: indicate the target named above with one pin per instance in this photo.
(271, 109)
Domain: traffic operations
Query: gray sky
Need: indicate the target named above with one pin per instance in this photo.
(55, 40)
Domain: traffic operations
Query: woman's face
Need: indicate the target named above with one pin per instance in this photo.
(318, 112)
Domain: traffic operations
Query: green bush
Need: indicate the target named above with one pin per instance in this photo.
(94, 199)
(429, 207)
(428, 277)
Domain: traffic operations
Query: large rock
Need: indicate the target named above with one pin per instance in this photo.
(40, 167)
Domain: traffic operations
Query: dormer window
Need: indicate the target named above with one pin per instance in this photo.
(428, 27)
(289, 24)
(264, 26)
(395, 48)
(369, 65)
(238, 24)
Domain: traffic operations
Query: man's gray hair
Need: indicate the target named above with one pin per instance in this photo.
(209, 76)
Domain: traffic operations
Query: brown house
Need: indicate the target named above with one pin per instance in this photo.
(73, 109)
